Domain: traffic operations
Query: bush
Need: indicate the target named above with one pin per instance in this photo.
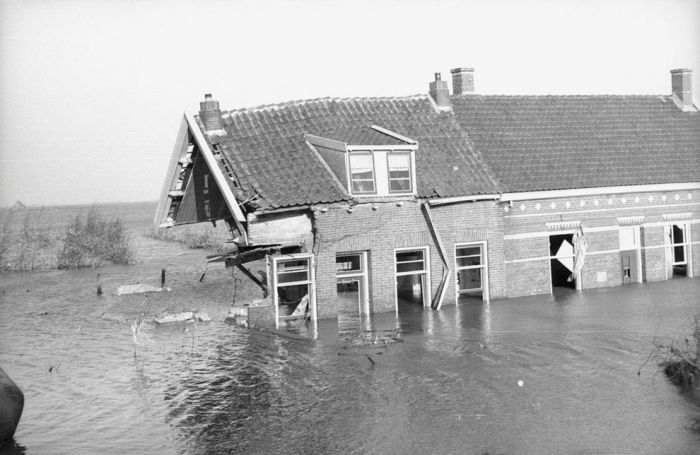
(680, 358)
(94, 241)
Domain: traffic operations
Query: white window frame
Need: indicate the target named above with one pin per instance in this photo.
(636, 232)
(411, 182)
(686, 244)
(483, 266)
(311, 282)
(374, 173)
(427, 291)
(354, 275)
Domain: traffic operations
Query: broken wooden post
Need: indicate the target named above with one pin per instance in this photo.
(99, 284)
(162, 278)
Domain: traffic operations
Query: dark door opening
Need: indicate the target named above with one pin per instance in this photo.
(412, 278)
(561, 251)
(349, 296)
(628, 259)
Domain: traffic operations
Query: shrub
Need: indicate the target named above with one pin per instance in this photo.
(679, 358)
(94, 241)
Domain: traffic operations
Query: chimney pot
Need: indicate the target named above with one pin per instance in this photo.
(463, 81)
(440, 91)
(682, 88)
(210, 114)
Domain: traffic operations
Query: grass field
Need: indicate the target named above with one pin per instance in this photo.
(44, 238)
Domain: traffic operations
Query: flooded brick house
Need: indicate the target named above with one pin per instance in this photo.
(363, 205)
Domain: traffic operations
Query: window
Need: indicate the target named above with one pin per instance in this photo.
(348, 262)
(410, 261)
(362, 172)
(471, 271)
(399, 167)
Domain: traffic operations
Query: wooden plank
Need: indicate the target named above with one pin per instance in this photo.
(179, 151)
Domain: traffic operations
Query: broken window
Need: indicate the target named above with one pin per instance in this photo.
(362, 172)
(676, 239)
(294, 286)
(399, 167)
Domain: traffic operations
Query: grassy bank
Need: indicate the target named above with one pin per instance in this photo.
(28, 242)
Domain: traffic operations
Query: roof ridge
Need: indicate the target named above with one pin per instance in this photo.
(292, 103)
(560, 96)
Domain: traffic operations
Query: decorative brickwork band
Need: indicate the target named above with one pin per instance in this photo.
(563, 225)
(630, 220)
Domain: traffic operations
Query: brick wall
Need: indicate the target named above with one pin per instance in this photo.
(380, 228)
(527, 235)
(516, 235)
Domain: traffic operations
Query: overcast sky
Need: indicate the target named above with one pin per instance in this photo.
(92, 93)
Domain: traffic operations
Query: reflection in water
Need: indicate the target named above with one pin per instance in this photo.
(546, 374)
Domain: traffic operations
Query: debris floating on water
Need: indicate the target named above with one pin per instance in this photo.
(198, 316)
(139, 289)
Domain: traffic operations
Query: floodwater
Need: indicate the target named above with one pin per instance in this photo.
(540, 375)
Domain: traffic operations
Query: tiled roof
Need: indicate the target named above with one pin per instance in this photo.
(273, 164)
(561, 142)
(365, 135)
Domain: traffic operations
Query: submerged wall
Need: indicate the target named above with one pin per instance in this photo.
(529, 224)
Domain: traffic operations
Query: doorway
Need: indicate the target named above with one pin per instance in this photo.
(351, 282)
(412, 278)
(471, 272)
(677, 248)
(630, 254)
(561, 253)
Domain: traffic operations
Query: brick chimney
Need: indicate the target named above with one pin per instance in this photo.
(682, 88)
(440, 91)
(463, 81)
(210, 114)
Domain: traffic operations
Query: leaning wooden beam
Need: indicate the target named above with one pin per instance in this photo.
(255, 279)
(440, 295)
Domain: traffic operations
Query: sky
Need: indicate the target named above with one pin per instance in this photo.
(92, 93)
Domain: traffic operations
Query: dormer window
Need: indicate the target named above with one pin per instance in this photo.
(399, 166)
(381, 163)
(362, 173)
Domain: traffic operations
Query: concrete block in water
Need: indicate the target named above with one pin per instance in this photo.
(11, 406)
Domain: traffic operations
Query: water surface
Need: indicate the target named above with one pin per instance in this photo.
(452, 385)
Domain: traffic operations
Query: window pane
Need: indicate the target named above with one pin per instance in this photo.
(362, 173)
(410, 267)
(291, 277)
(399, 172)
(469, 251)
(292, 270)
(400, 185)
(363, 186)
(348, 263)
(399, 161)
(361, 161)
(403, 256)
(468, 256)
(410, 261)
(394, 174)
